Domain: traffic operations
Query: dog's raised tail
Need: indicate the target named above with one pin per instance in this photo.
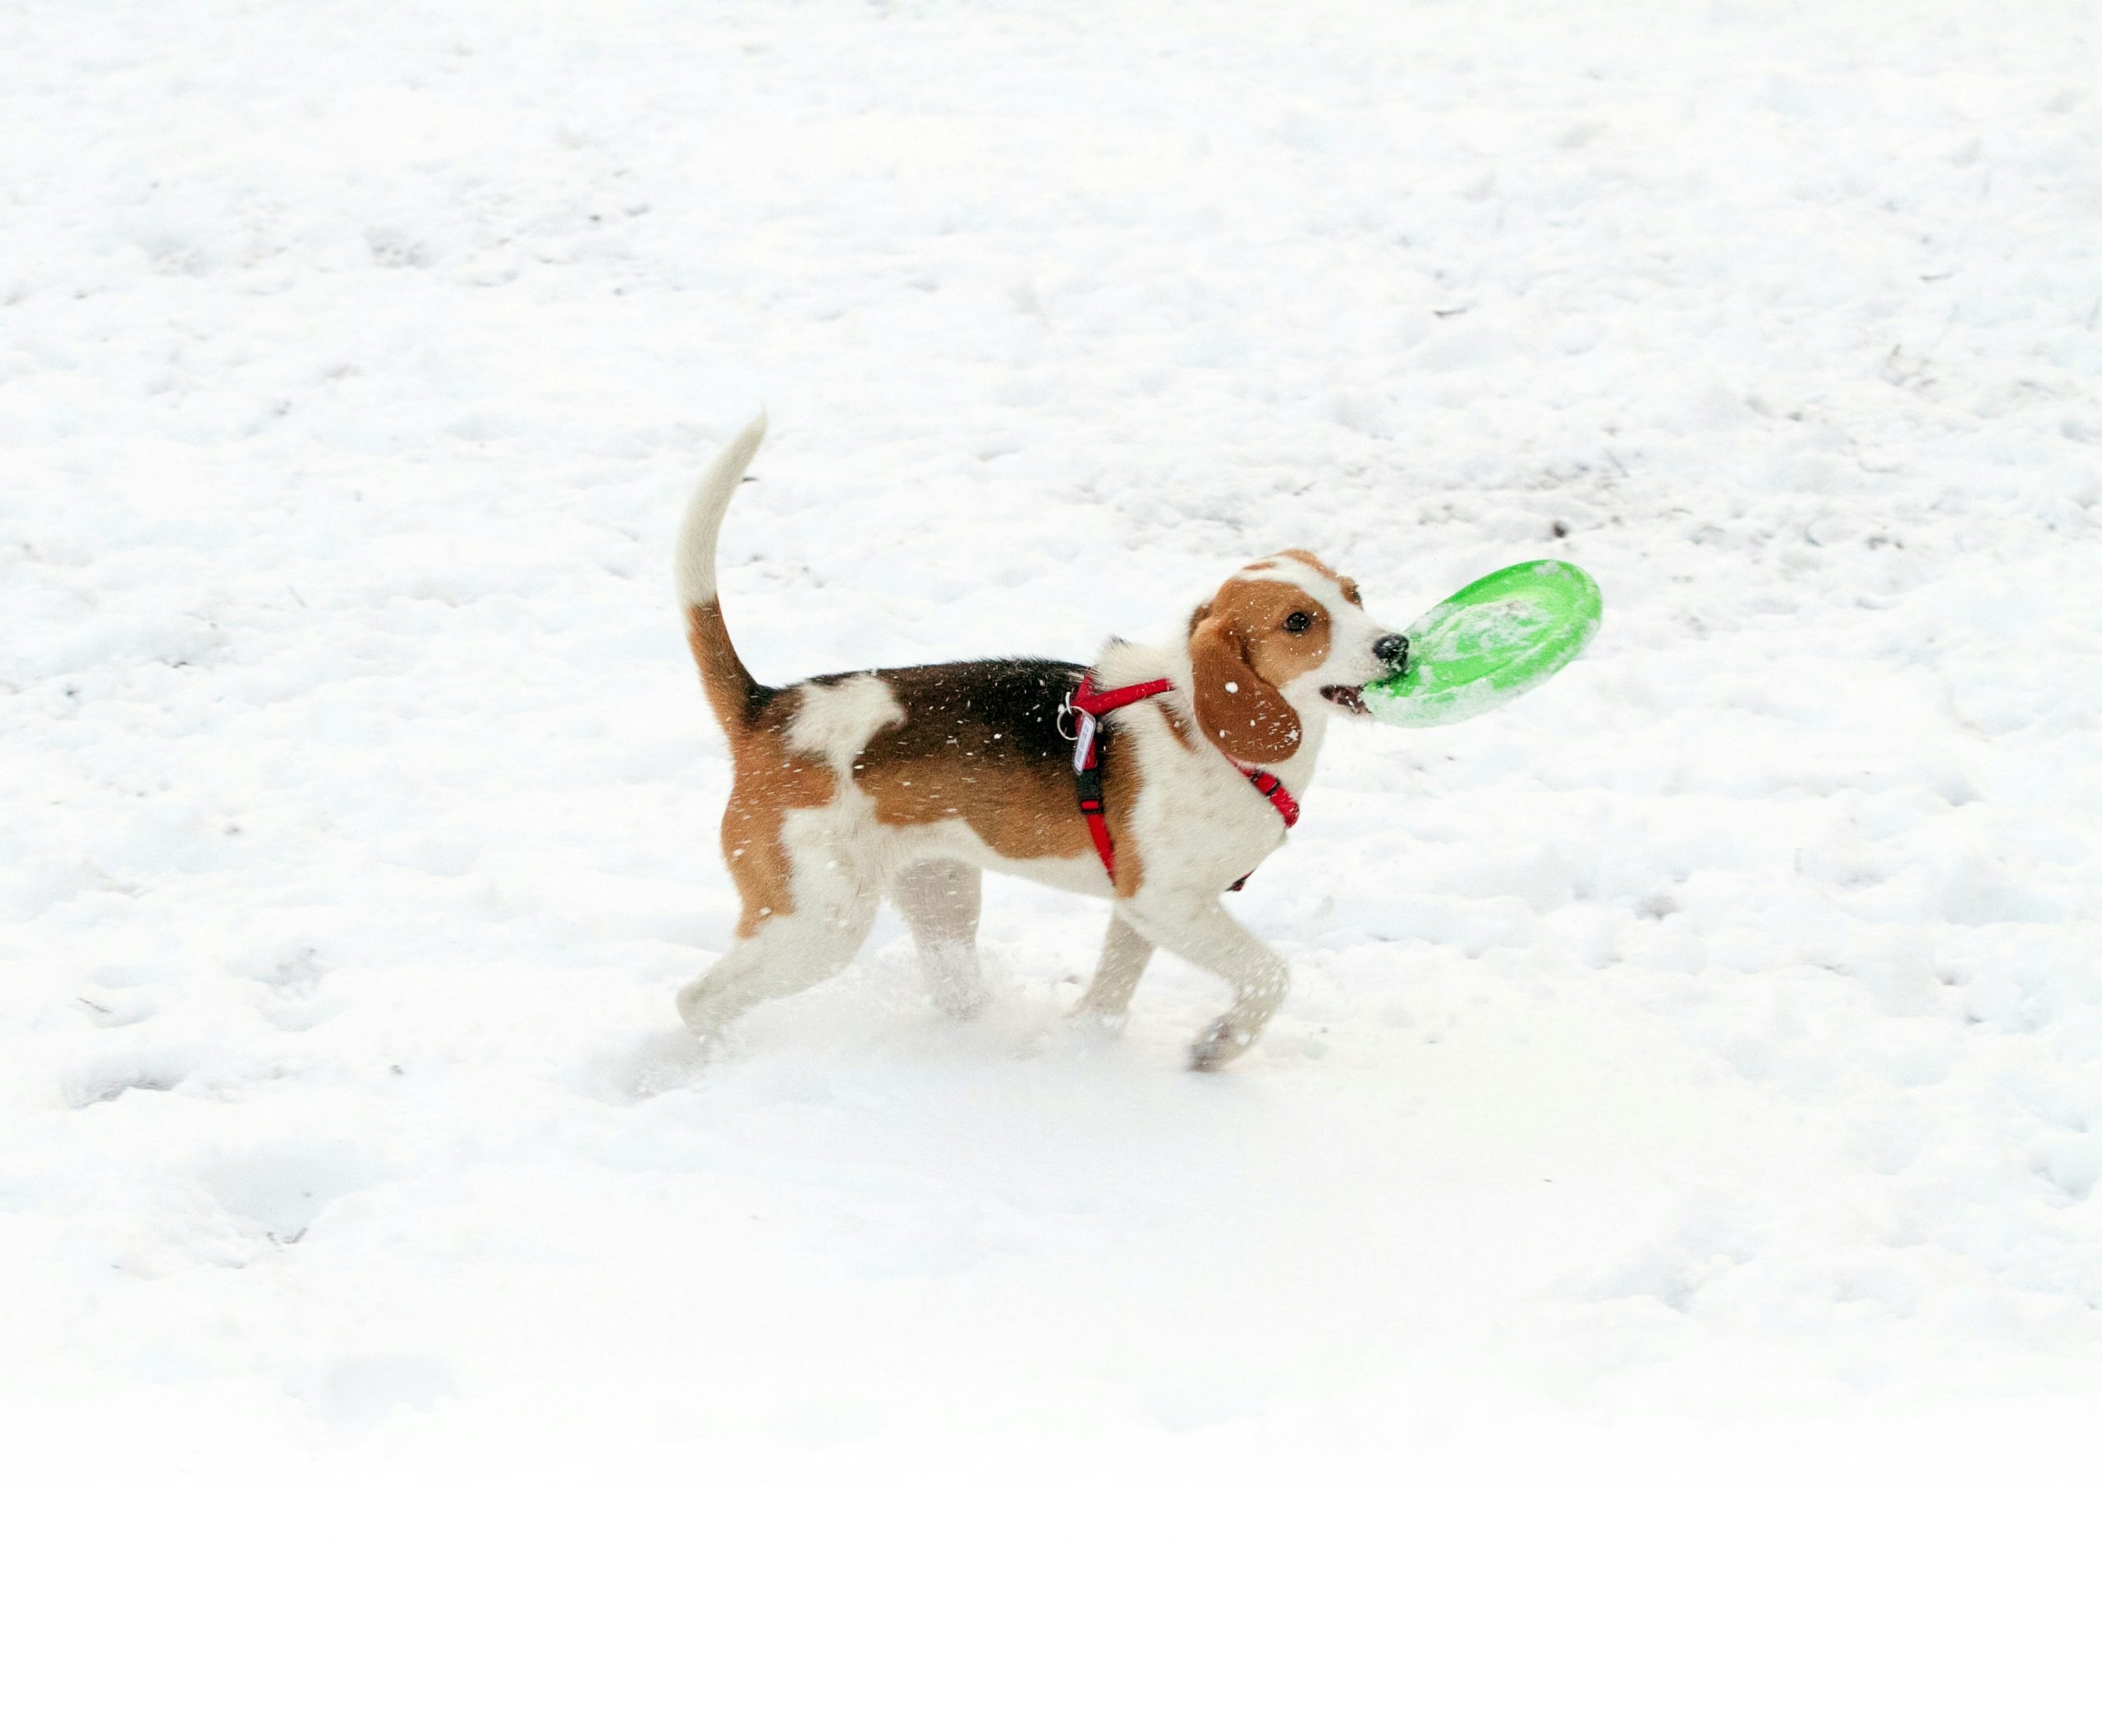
(731, 689)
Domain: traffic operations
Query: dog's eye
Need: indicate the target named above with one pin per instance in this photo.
(1298, 621)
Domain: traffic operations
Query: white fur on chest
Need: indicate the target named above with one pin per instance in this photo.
(1200, 823)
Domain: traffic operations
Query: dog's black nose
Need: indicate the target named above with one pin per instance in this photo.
(1392, 651)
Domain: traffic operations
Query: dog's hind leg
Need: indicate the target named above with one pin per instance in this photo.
(784, 951)
(787, 954)
(940, 902)
(1125, 952)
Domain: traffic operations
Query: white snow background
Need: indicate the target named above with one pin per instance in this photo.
(1695, 1061)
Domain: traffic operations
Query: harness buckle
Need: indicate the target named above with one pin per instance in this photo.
(1087, 785)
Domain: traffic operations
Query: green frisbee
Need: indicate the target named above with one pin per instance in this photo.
(1488, 643)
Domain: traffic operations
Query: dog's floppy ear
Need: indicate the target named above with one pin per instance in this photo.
(1237, 710)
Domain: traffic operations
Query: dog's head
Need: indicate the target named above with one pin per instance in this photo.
(1282, 636)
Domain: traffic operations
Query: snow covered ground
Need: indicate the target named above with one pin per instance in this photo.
(1693, 1066)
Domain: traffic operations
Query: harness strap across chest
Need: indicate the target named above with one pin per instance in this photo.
(1092, 704)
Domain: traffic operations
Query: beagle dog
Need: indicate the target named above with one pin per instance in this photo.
(909, 783)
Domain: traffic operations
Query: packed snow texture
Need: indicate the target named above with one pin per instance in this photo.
(1705, 1042)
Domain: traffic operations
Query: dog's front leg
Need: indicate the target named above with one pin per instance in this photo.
(1198, 929)
(1125, 952)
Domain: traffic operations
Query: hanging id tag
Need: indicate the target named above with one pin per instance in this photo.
(1083, 741)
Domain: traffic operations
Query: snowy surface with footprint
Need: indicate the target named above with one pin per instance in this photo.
(1692, 1066)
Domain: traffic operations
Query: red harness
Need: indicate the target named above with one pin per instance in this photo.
(1092, 704)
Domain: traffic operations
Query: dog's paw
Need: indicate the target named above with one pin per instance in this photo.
(1096, 1019)
(1222, 1041)
(692, 1003)
(961, 1000)
(955, 981)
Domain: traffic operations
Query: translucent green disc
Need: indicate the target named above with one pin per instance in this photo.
(1488, 643)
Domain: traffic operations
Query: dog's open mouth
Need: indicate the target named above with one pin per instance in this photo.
(1351, 698)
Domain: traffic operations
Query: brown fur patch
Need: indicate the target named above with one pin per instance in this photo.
(734, 696)
(767, 784)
